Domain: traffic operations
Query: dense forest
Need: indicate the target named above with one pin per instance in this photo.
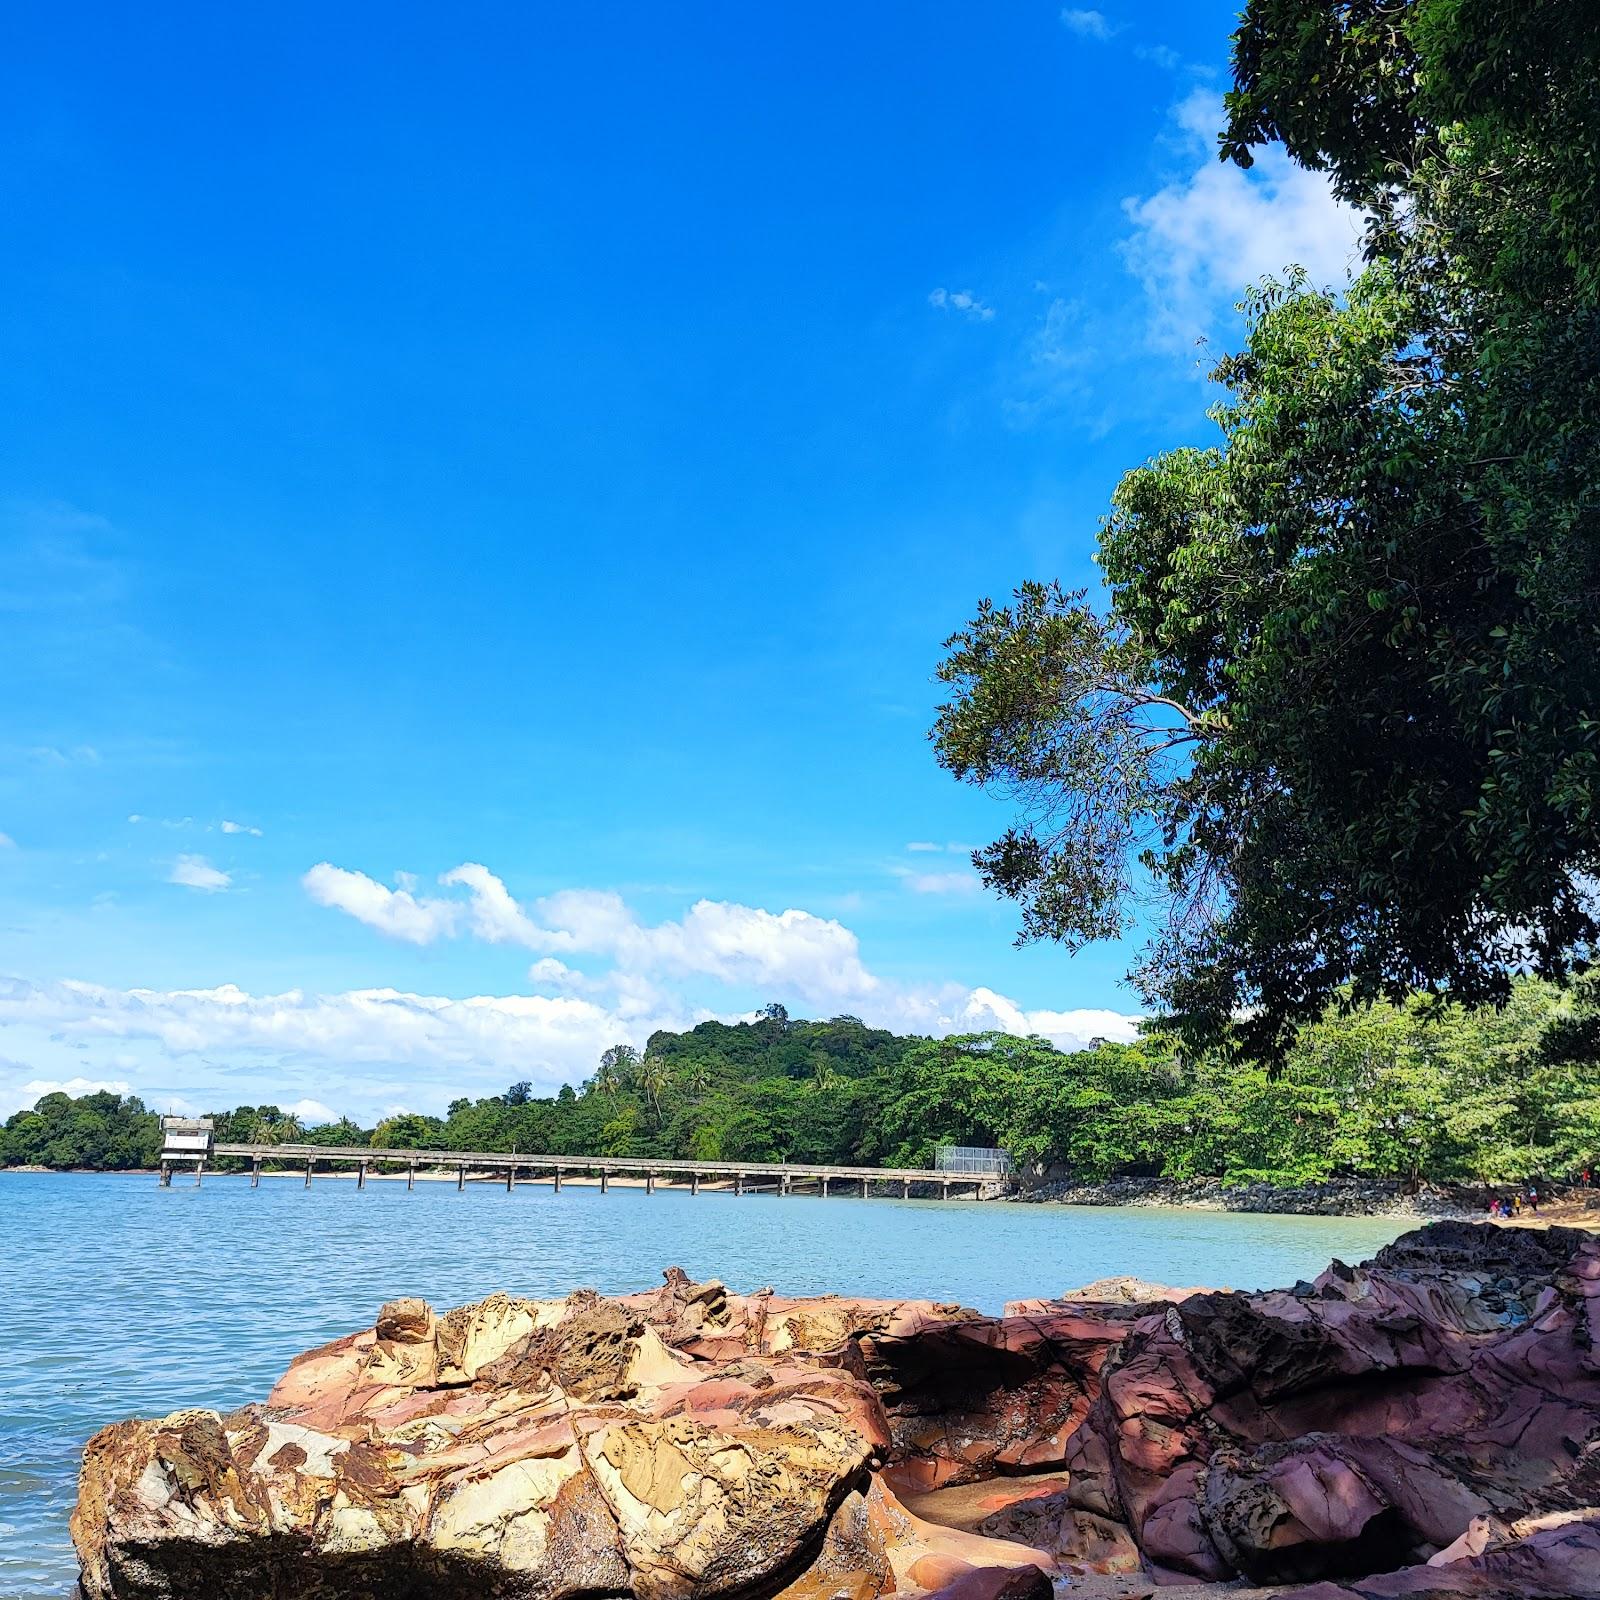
(1389, 1092)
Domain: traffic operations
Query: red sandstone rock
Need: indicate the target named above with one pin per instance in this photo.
(1432, 1418)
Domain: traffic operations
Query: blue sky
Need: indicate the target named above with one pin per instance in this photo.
(554, 442)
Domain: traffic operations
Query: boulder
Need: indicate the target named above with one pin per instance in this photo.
(1425, 1424)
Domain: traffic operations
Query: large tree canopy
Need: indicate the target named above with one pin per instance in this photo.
(1341, 707)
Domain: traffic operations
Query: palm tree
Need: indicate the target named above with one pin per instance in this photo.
(652, 1079)
(823, 1077)
(696, 1077)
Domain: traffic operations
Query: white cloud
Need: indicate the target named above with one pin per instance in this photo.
(1199, 241)
(923, 845)
(1088, 24)
(195, 872)
(1159, 55)
(552, 1039)
(384, 1042)
(7, 842)
(241, 827)
(962, 300)
(395, 912)
(942, 882)
(312, 1112)
(816, 958)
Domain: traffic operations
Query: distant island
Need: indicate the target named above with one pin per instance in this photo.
(1480, 1097)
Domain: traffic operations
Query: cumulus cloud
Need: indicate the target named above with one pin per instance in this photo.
(396, 912)
(962, 300)
(1199, 241)
(1087, 24)
(432, 1046)
(240, 827)
(195, 872)
(814, 957)
(551, 1039)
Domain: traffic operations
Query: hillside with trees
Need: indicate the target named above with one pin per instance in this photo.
(1395, 1091)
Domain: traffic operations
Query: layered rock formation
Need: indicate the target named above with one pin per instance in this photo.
(1428, 1424)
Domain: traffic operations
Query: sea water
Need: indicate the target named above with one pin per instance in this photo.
(120, 1298)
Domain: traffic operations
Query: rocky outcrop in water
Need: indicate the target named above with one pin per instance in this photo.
(1428, 1424)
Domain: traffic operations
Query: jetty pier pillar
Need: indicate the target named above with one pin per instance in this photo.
(255, 1173)
(945, 1186)
(605, 1179)
(199, 1171)
(166, 1174)
(308, 1172)
(461, 1177)
(783, 1184)
(649, 1183)
(738, 1183)
(824, 1188)
(361, 1174)
(411, 1176)
(556, 1182)
(694, 1183)
(511, 1176)
(905, 1188)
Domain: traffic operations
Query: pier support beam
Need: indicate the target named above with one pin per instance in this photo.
(824, 1188)
(694, 1183)
(905, 1188)
(199, 1169)
(308, 1172)
(361, 1174)
(649, 1183)
(556, 1182)
(605, 1179)
(461, 1177)
(511, 1177)
(166, 1175)
(738, 1183)
(255, 1173)
(411, 1177)
(946, 1187)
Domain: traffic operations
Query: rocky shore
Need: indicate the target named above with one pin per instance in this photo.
(1337, 1197)
(1427, 1424)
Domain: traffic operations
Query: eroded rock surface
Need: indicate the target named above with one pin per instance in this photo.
(1427, 1424)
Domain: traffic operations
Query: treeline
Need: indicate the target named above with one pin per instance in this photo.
(1389, 1092)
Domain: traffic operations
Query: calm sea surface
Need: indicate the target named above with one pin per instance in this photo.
(120, 1298)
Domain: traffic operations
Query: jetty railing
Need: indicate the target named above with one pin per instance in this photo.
(745, 1176)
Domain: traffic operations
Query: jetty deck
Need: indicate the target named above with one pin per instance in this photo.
(190, 1148)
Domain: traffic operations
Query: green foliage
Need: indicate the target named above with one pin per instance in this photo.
(1402, 1092)
(1340, 709)
(105, 1131)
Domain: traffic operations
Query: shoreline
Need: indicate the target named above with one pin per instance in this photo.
(1562, 1204)
(1336, 1197)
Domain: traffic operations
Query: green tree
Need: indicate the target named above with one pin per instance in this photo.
(1338, 708)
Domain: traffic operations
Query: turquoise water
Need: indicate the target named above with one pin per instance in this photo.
(122, 1298)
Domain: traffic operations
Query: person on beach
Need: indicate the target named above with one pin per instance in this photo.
(1533, 1199)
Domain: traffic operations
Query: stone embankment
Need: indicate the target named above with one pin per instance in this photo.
(1426, 1424)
